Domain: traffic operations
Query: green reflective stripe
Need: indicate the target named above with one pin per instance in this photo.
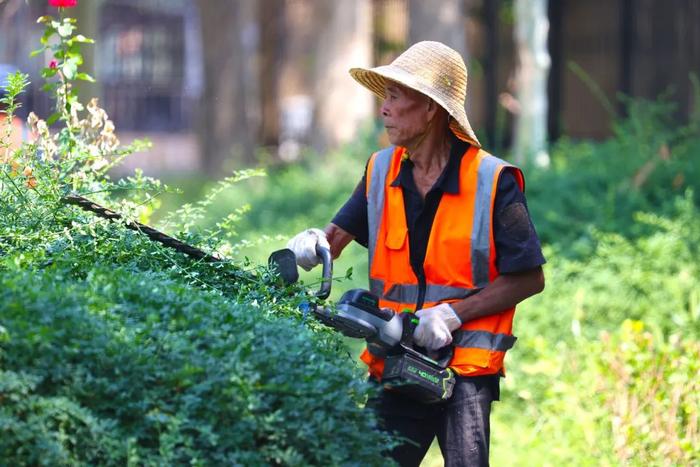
(375, 197)
(481, 230)
(483, 340)
(408, 293)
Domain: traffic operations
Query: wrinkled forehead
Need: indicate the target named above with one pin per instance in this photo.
(394, 87)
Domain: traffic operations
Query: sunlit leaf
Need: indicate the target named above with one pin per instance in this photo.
(65, 29)
(82, 39)
(48, 72)
(85, 77)
(69, 69)
(53, 118)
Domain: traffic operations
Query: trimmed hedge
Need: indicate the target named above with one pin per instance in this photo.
(118, 351)
(136, 366)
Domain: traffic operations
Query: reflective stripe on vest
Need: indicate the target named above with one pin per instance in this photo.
(377, 170)
(483, 340)
(408, 293)
(460, 256)
(481, 230)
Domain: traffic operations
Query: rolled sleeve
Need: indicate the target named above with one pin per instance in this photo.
(518, 247)
(352, 216)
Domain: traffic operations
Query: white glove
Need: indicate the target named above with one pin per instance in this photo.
(304, 247)
(435, 326)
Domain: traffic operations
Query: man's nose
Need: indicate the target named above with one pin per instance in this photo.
(383, 110)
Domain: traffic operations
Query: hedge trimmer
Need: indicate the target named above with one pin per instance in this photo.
(150, 232)
(390, 335)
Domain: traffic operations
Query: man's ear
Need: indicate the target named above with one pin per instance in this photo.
(433, 108)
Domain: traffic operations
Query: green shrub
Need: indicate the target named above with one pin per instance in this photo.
(115, 350)
(591, 387)
(623, 398)
(651, 391)
(651, 278)
(49, 430)
(650, 161)
(175, 374)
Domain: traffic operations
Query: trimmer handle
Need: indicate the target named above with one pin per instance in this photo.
(327, 274)
(285, 263)
(409, 323)
(441, 357)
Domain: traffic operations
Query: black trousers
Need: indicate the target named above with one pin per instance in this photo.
(461, 424)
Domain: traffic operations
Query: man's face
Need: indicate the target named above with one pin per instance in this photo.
(405, 113)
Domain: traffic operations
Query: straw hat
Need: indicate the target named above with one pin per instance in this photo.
(433, 69)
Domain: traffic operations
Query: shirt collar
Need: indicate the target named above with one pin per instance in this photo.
(448, 182)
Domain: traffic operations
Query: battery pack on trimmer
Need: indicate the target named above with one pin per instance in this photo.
(419, 377)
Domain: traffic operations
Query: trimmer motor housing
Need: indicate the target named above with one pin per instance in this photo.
(357, 314)
(390, 335)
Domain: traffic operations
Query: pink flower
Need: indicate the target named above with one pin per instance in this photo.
(63, 3)
(53, 63)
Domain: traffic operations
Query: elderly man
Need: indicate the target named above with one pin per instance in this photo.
(449, 238)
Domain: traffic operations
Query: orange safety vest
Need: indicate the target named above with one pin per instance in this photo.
(459, 260)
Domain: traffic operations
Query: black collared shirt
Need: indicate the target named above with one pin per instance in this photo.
(420, 212)
(517, 245)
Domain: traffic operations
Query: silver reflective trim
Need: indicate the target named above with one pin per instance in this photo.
(483, 340)
(376, 287)
(481, 226)
(408, 293)
(440, 293)
(402, 293)
(375, 197)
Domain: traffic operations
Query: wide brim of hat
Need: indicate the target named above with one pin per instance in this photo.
(374, 79)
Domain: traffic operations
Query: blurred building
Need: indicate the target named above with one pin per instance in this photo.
(214, 81)
(147, 60)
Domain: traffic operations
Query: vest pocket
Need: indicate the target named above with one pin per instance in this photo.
(395, 238)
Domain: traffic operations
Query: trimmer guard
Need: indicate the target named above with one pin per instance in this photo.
(357, 314)
(351, 326)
